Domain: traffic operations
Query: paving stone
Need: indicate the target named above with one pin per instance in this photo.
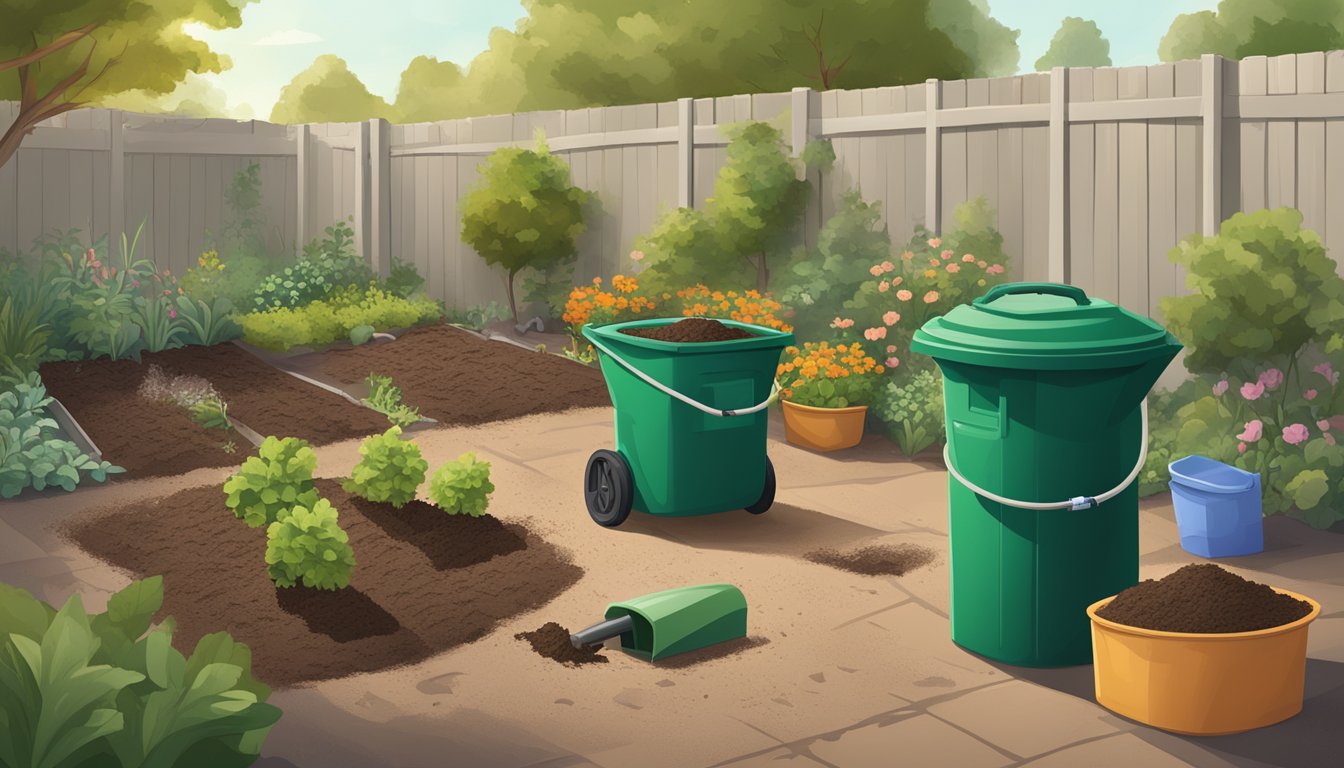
(914, 740)
(1026, 719)
(775, 758)
(15, 547)
(1124, 750)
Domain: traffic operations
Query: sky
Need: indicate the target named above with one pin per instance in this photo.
(280, 38)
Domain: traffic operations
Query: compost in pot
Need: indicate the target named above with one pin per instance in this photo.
(693, 330)
(1203, 599)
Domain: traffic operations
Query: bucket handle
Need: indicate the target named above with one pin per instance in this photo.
(774, 386)
(1077, 502)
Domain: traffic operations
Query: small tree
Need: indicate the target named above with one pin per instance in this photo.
(1078, 43)
(523, 212)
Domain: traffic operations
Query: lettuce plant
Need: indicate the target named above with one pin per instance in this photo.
(309, 545)
(391, 469)
(913, 413)
(385, 398)
(462, 487)
(32, 451)
(276, 480)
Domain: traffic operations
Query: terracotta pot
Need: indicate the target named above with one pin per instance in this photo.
(823, 429)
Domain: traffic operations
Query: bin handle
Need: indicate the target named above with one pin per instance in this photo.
(1053, 289)
(696, 404)
(1077, 502)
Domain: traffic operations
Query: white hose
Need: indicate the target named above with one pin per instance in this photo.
(774, 388)
(1077, 502)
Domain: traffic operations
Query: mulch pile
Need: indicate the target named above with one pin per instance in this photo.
(458, 378)
(877, 560)
(1204, 599)
(552, 641)
(691, 330)
(424, 581)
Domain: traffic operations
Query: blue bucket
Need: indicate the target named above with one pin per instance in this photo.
(1217, 508)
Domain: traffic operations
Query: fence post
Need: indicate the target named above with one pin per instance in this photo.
(361, 184)
(800, 111)
(380, 196)
(685, 152)
(301, 186)
(932, 185)
(116, 201)
(1211, 112)
(1058, 264)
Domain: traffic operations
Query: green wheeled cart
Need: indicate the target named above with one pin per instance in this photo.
(1045, 394)
(690, 423)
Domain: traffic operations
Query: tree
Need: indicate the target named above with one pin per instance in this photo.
(427, 90)
(194, 97)
(1241, 28)
(523, 212)
(59, 55)
(327, 92)
(1078, 43)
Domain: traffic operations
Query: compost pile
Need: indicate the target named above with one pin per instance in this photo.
(877, 560)
(1203, 599)
(693, 330)
(552, 641)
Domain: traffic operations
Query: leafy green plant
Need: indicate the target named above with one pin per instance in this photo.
(477, 317)
(322, 322)
(207, 323)
(913, 412)
(275, 481)
(327, 264)
(23, 338)
(403, 279)
(235, 280)
(390, 469)
(361, 334)
(106, 690)
(157, 319)
(308, 544)
(462, 487)
(32, 451)
(102, 300)
(211, 413)
(385, 398)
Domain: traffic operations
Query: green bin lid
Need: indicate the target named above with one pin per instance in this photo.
(1043, 326)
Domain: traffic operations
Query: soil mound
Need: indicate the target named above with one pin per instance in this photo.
(552, 641)
(691, 330)
(1205, 599)
(877, 560)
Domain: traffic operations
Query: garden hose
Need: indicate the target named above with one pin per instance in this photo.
(1077, 502)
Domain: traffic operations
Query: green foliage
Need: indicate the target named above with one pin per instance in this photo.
(105, 690)
(156, 317)
(523, 212)
(1242, 28)
(403, 279)
(308, 544)
(275, 481)
(426, 90)
(211, 413)
(361, 334)
(477, 317)
(825, 376)
(1077, 43)
(32, 451)
(913, 412)
(385, 398)
(234, 281)
(327, 265)
(1263, 287)
(390, 469)
(819, 154)
(462, 487)
(23, 338)
(319, 323)
(549, 287)
(327, 92)
(206, 324)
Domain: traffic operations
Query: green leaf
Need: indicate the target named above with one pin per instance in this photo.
(133, 608)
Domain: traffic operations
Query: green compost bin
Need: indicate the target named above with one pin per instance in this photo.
(1045, 396)
(677, 458)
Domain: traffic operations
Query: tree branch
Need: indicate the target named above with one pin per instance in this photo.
(64, 41)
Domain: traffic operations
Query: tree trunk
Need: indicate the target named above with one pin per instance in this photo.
(762, 273)
(513, 305)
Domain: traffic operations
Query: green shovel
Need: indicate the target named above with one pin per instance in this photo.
(675, 621)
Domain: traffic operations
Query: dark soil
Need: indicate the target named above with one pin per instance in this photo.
(877, 560)
(424, 581)
(458, 378)
(552, 641)
(1204, 599)
(691, 330)
(146, 438)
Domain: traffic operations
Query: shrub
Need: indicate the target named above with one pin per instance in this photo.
(235, 280)
(107, 690)
(322, 322)
(327, 264)
(309, 545)
(276, 480)
(207, 323)
(462, 487)
(32, 451)
(391, 469)
(361, 334)
(403, 279)
(913, 413)
(385, 398)
(477, 317)
(523, 212)
(825, 376)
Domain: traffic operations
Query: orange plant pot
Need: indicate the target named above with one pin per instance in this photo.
(1197, 684)
(823, 429)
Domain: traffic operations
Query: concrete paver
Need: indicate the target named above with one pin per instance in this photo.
(1026, 719)
(915, 739)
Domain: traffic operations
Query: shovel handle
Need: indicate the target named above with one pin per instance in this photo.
(600, 633)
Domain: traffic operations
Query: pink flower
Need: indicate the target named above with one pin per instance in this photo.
(841, 323)
(935, 242)
(980, 263)
(883, 287)
(1328, 438)
(947, 254)
(1294, 434)
(934, 262)
(897, 280)
(1272, 379)
(1323, 425)
(891, 348)
(1310, 394)
(968, 258)
(904, 295)
(172, 313)
(636, 255)
(1329, 373)
(135, 283)
(873, 334)
(892, 362)
(891, 317)
(994, 269)
(875, 270)
(907, 255)
(887, 266)
(1241, 447)
(1255, 428)
(930, 297)
(1252, 391)
(1220, 388)
(953, 268)
(167, 292)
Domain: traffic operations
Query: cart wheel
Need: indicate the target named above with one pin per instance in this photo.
(768, 494)
(608, 488)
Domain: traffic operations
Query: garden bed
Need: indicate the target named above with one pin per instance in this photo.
(457, 377)
(424, 581)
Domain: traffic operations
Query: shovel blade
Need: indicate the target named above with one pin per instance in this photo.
(682, 619)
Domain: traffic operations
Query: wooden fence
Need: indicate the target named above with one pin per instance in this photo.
(1095, 173)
